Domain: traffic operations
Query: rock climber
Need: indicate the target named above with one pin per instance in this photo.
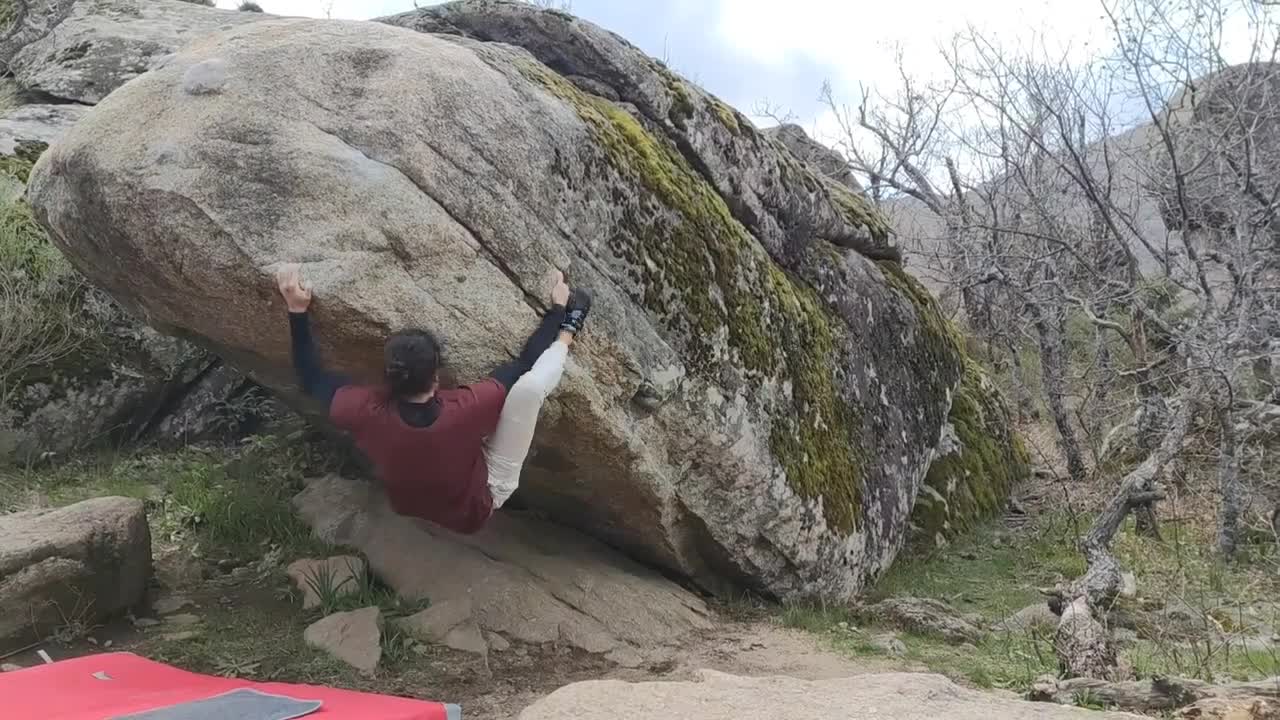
(448, 456)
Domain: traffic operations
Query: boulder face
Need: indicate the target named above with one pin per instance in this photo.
(976, 465)
(761, 389)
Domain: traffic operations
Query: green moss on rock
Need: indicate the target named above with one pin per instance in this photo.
(972, 483)
(858, 210)
(709, 281)
(682, 107)
(944, 346)
(727, 116)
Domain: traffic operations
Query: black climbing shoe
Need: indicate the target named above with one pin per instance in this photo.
(576, 313)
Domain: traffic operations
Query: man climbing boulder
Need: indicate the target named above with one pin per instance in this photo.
(763, 388)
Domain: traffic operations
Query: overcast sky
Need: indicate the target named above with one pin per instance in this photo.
(748, 51)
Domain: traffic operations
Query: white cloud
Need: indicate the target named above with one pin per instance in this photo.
(857, 40)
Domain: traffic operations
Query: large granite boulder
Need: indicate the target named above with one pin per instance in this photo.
(762, 388)
(71, 566)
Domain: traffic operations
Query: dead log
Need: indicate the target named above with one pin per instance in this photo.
(1154, 695)
(1082, 641)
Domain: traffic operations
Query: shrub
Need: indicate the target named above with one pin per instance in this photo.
(249, 6)
(40, 319)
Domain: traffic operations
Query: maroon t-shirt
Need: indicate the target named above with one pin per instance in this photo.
(438, 472)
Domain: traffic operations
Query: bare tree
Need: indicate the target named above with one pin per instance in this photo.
(1124, 209)
(908, 149)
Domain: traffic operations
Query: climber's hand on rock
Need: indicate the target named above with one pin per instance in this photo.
(296, 294)
(559, 291)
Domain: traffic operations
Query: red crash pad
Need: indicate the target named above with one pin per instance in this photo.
(104, 686)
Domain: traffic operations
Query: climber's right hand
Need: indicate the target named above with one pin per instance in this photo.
(559, 290)
(295, 292)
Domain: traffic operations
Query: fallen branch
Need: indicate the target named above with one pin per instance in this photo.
(1082, 642)
(1147, 695)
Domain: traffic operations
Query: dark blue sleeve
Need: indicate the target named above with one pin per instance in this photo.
(315, 380)
(541, 339)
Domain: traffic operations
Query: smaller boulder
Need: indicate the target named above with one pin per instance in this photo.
(889, 644)
(353, 637)
(926, 616)
(337, 576)
(80, 563)
(1128, 585)
(183, 620)
(497, 643)
(450, 624)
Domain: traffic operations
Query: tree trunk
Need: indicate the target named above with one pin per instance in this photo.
(1152, 422)
(1053, 368)
(1082, 642)
(1025, 401)
(1264, 375)
(1231, 500)
(1148, 696)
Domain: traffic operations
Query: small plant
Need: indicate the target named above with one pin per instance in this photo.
(40, 299)
(396, 646)
(249, 6)
(323, 582)
(360, 589)
(230, 667)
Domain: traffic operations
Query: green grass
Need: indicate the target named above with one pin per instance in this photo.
(262, 642)
(361, 590)
(1010, 661)
(994, 572)
(1205, 660)
(231, 502)
(1001, 660)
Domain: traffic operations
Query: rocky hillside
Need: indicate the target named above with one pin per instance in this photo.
(764, 391)
(79, 370)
